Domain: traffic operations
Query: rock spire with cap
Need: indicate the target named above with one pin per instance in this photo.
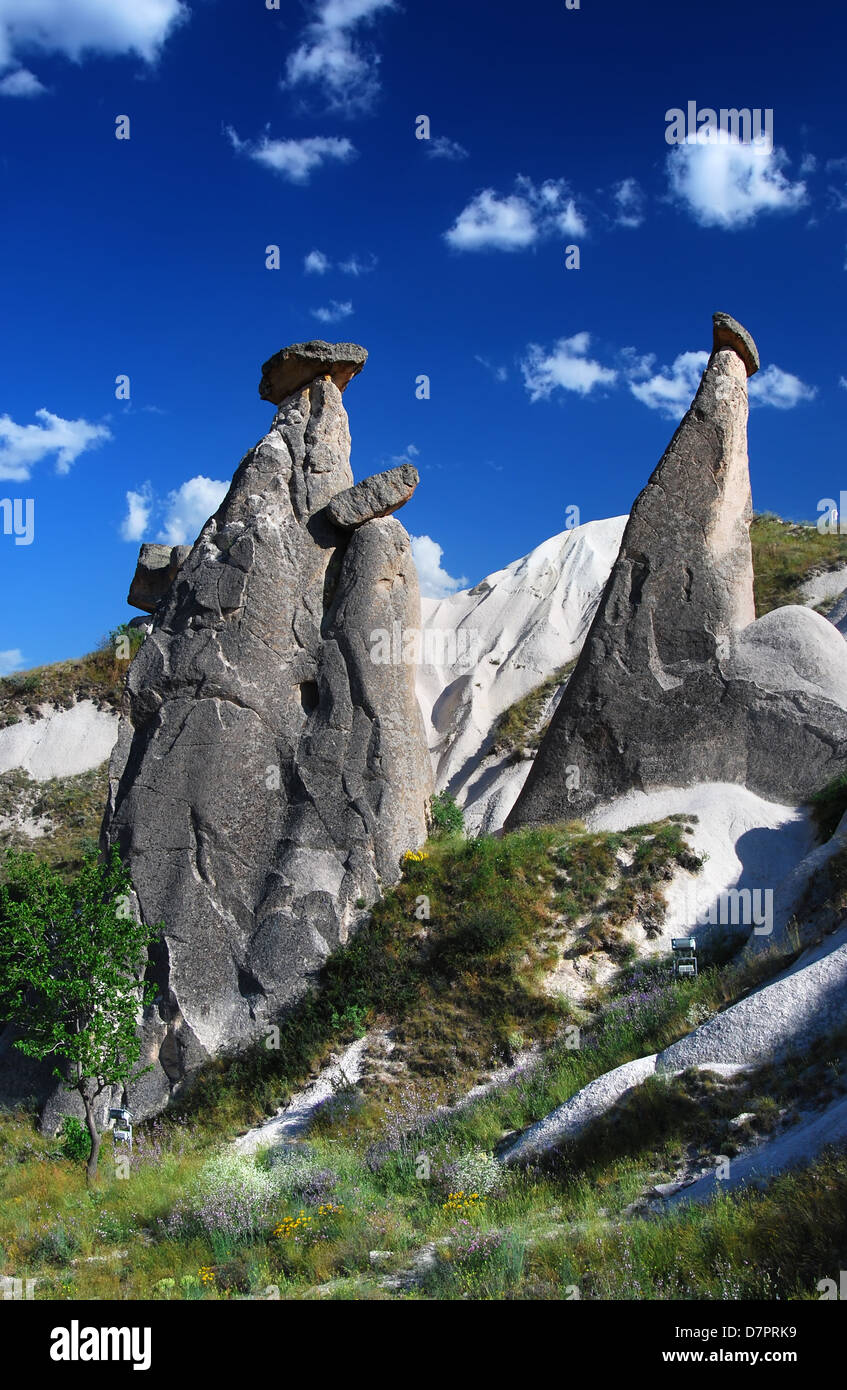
(269, 773)
(677, 683)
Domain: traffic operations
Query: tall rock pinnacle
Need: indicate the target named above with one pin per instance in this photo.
(269, 774)
(676, 682)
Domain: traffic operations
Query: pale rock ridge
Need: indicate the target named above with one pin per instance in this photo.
(676, 683)
(60, 742)
(486, 647)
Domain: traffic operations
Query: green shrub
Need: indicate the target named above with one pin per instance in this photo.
(27, 683)
(350, 1020)
(447, 817)
(76, 1142)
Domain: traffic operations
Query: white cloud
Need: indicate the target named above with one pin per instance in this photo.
(565, 366)
(21, 83)
(499, 373)
(139, 506)
(188, 508)
(728, 184)
(182, 513)
(409, 454)
(10, 661)
(331, 58)
(505, 224)
(838, 196)
(443, 148)
(672, 389)
(334, 311)
(294, 160)
(842, 381)
(77, 27)
(434, 580)
(316, 263)
(629, 201)
(518, 220)
(354, 266)
(782, 389)
(23, 446)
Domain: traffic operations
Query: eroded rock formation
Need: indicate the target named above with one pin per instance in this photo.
(374, 497)
(677, 683)
(157, 568)
(269, 775)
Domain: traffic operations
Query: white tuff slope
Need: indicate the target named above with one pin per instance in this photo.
(61, 743)
(791, 1013)
(517, 625)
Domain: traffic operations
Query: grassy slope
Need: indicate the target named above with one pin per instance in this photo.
(99, 676)
(73, 806)
(517, 726)
(785, 554)
(457, 993)
(538, 1234)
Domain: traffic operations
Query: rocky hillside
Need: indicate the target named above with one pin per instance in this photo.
(389, 1065)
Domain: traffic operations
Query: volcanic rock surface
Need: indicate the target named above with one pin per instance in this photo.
(269, 774)
(677, 683)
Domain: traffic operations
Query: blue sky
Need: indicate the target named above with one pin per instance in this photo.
(297, 127)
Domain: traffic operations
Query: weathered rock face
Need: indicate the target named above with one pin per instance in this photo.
(676, 683)
(296, 366)
(374, 497)
(269, 773)
(157, 568)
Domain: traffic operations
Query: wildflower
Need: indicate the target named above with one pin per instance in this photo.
(463, 1201)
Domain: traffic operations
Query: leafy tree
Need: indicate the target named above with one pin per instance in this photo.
(72, 960)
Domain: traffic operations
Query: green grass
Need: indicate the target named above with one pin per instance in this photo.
(785, 554)
(447, 816)
(515, 728)
(454, 958)
(536, 1234)
(99, 676)
(74, 805)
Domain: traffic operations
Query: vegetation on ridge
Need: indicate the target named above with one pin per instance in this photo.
(517, 727)
(785, 555)
(99, 676)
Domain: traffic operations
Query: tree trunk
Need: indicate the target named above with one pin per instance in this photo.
(90, 1120)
